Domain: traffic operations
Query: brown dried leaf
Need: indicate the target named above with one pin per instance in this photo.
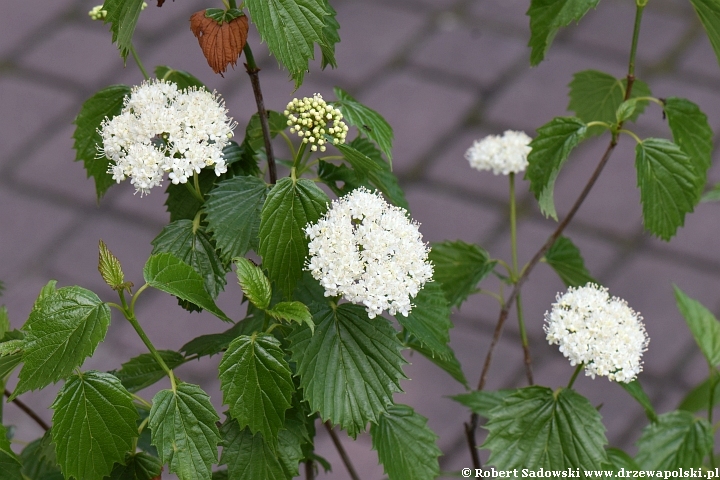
(221, 44)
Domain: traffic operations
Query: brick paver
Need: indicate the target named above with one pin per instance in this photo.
(443, 73)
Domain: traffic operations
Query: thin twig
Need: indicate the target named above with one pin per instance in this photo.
(30, 413)
(342, 452)
(252, 70)
(472, 443)
(309, 470)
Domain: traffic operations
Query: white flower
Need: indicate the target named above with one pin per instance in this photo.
(502, 155)
(369, 252)
(602, 333)
(162, 129)
(313, 119)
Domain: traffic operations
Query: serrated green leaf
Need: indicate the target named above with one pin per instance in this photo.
(254, 283)
(361, 163)
(36, 465)
(692, 133)
(617, 459)
(546, 18)
(11, 347)
(709, 13)
(215, 343)
(292, 312)
(429, 319)
(171, 275)
(330, 36)
(703, 325)
(294, 438)
(248, 456)
(290, 28)
(138, 466)
(192, 246)
(233, 214)
(448, 362)
(122, 16)
(257, 384)
(142, 371)
(536, 427)
(184, 431)
(220, 15)
(4, 321)
(350, 367)
(10, 465)
(712, 195)
(381, 178)
(669, 185)
(458, 267)
(564, 257)
(8, 364)
(636, 391)
(111, 270)
(180, 78)
(368, 121)
(550, 149)
(698, 398)
(677, 440)
(108, 102)
(62, 330)
(277, 122)
(482, 401)
(94, 425)
(289, 207)
(597, 96)
(406, 446)
(341, 179)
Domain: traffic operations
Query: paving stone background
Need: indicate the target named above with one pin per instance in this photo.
(443, 73)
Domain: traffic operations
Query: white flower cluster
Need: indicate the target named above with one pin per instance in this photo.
(163, 129)
(313, 119)
(369, 252)
(502, 155)
(600, 332)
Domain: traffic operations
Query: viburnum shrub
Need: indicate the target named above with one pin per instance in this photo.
(342, 286)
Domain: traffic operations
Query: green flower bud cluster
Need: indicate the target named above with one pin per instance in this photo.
(316, 122)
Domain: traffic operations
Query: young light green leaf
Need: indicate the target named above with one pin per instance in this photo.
(171, 275)
(191, 245)
(290, 28)
(447, 361)
(184, 431)
(677, 440)
(564, 257)
(546, 18)
(536, 427)
(709, 13)
(458, 268)
(292, 312)
(111, 270)
(233, 214)
(636, 391)
(367, 121)
(669, 185)
(350, 367)
(697, 399)
(142, 371)
(550, 149)
(180, 78)
(254, 283)
(257, 384)
(692, 133)
(482, 401)
(712, 195)
(138, 466)
(429, 320)
(597, 96)
(277, 122)
(248, 456)
(703, 325)
(122, 16)
(108, 102)
(289, 207)
(94, 425)
(10, 465)
(406, 446)
(62, 330)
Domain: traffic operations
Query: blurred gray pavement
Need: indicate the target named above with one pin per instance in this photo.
(443, 73)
